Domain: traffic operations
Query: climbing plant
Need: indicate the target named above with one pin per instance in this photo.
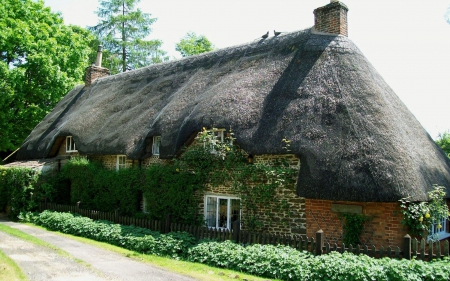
(259, 186)
(353, 227)
(420, 216)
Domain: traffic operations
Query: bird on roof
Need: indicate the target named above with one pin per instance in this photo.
(265, 35)
(276, 33)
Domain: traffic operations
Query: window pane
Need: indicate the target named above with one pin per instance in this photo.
(235, 210)
(156, 145)
(223, 212)
(68, 143)
(211, 210)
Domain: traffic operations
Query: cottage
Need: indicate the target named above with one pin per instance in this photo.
(355, 144)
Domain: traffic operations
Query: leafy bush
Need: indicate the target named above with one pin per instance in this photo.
(280, 262)
(419, 216)
(134, 238)
(102, 189)
(17, 188)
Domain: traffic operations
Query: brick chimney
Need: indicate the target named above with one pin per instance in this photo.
(331, 18)
(96, 70)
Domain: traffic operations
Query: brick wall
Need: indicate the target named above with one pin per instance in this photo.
(385, 229)
(331, 18)
(152, 160)
(94, 72)
(289, 221)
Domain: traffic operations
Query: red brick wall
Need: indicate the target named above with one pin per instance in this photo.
(331, 18)
(385, 229)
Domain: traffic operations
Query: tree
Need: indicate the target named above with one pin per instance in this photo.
(41, 59)
(122, 30)
(193, 44)
(443, 141)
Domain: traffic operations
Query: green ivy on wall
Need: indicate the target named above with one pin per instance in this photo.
(353, 227)
(167, 188)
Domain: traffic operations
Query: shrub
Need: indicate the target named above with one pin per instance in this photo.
(17, 187)
(269, 261)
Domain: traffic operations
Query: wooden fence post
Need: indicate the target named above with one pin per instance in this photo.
(320, 238)
(407, 247)
(236, 230)
(167, 223)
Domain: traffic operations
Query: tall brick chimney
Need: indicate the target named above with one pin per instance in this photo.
(331, 18)
(96, 70)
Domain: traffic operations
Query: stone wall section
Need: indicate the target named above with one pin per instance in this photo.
(153, 160)
(286, 221)
(384, 229)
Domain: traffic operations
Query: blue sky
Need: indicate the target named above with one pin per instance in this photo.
(408, 42)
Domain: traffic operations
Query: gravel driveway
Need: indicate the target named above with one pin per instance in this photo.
(42, 263)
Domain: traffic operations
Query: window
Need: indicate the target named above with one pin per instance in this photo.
(222, 211)
(156, 145)
(439, 230)
(121, 162)
(70, 144)
(218, 133)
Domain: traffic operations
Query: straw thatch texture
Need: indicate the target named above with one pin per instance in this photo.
(356, 140)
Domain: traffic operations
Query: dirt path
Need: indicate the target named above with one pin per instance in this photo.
(41, 263)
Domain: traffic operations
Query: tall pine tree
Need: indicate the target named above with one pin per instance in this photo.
(122, 29)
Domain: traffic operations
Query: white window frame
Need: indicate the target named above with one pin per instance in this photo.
(156, 145)
(216, 213)
(70, 144)
(119, 164)
(442, 232)
(219, 134)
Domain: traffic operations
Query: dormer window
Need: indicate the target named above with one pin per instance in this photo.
(121, 162)
(218, 134)
(70, 144)
(156, 145)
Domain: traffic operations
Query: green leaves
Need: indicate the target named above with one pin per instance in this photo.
(40, 60)
(419, 216)
(193, 44)
(122, 29)
(443, 141)
(142, 240)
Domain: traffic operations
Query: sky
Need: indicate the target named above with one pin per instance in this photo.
(407, 41)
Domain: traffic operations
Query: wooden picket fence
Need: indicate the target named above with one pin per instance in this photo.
(411, 248)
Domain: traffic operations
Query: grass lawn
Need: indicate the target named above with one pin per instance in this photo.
(195, 270)
(9, 269)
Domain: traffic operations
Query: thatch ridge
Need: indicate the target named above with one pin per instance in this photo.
(355, 138)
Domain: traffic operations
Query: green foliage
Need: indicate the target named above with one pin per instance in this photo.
(17, 187)
(122, 29)
(217, 162)
(353, 227)
(443, 141)
(142, 240)
(167, 189)
(193, 44)
(101, 189)
(281, 262)
(419, 216)
(41, 59)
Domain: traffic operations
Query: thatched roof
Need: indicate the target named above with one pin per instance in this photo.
(356, 140)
